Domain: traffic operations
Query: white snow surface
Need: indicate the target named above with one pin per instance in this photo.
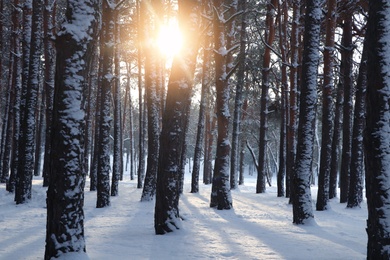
(259, 227)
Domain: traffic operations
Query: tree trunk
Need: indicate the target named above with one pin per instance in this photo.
(17, 83)
(327, 109)
(27, 130)
(377, 134)
(293, 102)
(167, 217)
(334, 165)
(117, 169)
(355, 194)
(238, 100)
(104, 124)
(283, 21)
(347, 81)
(49, 15)
(302, 205)
(201, 133)
(150, 15)
(65, 195)
(269, 38)
(220, 192)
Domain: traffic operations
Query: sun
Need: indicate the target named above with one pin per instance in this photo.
(169, 39)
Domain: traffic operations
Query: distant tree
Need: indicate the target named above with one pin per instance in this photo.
(377, 134)
(336, 138)
(65, 195)
(283, 45)
(238, 100)
(200, 132)
(302, 208)
(166, 217)
(327, 108)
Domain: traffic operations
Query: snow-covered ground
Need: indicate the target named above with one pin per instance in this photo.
(259, 227)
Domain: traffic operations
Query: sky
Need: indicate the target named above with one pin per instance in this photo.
(258, 227)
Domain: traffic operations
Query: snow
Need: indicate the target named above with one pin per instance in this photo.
(258, 227)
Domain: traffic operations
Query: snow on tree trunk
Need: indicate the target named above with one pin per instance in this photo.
(220, 193)
(65, 195)
(355, 194)
(107, 79)
(17, 83)
(293, 107)
(28, 124)
(377, 134)
(150, 20)
(166, 217)
(302, 203)
(327, 109)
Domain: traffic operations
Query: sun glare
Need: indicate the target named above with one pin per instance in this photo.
(169, 39)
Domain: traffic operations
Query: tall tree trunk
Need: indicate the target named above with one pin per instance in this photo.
(167, 217)
(238, 100)
(293, 102)
(302, 204)
(269, 39)
(117, 169)
(327, 108)
(150, 15)
(220, 192)
(346, 74)
(201, 134)
(40, 122)
(104, 124)
(283, 20)
(355, 194)
(49, 16)
(377, 134)
(27, 130)
(65, 195)
(336, 138)
(17, 83)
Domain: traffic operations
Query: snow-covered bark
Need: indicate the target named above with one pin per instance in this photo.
(293, 95)
(377, 134)
(104, 124)
(28, 124)
(17, 88)
(65, 195)
(167, 218)
(150, 13)
(327, 108)
(220, 193)
(355, 193)
(301, 197)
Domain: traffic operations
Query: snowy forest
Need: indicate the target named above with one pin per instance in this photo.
(213, 96)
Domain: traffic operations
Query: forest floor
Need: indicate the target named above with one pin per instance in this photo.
(259, 227)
